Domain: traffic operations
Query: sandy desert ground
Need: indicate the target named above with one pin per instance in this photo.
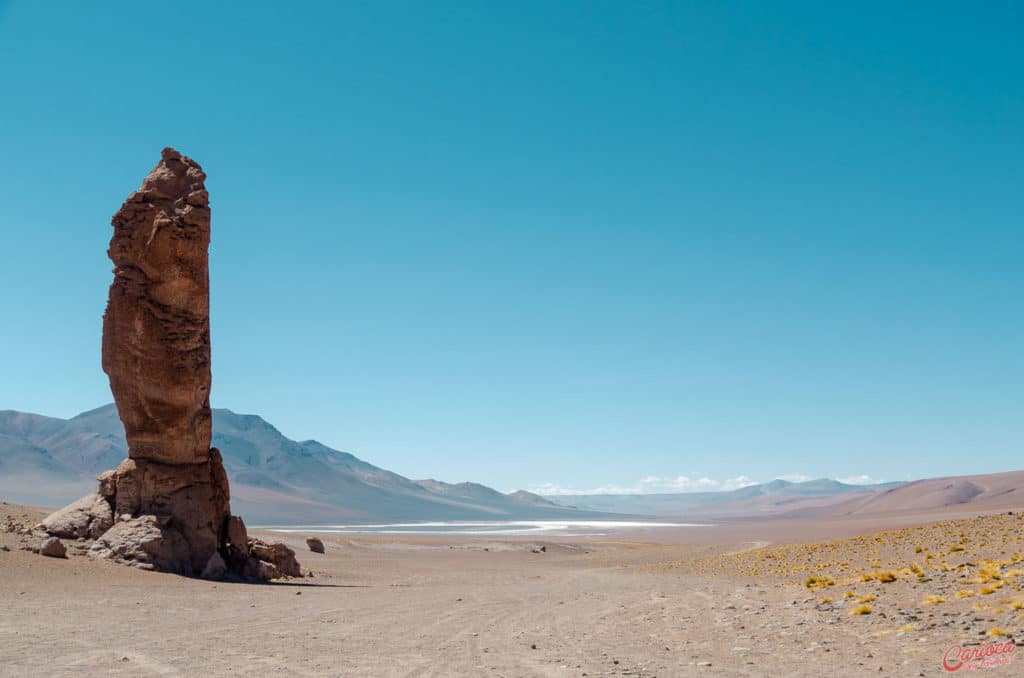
(750, 599)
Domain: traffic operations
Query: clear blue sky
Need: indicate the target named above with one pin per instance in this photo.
(540, 244)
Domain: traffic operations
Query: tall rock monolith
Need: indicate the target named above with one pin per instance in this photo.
(156, 352)
(169, 499)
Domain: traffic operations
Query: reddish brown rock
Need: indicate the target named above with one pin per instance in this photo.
(277, 554)
(156, 352)
(156, 329)
(237, 536)
(166, 507)
(194, 495)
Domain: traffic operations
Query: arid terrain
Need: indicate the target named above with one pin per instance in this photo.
(748, 599)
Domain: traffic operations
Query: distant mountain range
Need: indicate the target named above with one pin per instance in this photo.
(275, 480)
(45, 460)
(821, 498)
(766, 498)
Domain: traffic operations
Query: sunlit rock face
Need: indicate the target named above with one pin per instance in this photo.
(167, 506)
(156, 329)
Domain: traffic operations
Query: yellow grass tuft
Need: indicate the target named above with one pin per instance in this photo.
(996, 631)
(819, 581)
(988, 572)
(871, 597)
(861, 609)
(966, 593)
(933, 600)
(886, 576)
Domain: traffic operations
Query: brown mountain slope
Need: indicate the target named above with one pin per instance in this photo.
(989, 492)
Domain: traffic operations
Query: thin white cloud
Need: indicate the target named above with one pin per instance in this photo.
(693, 483)
(860, 480)
(652, 485)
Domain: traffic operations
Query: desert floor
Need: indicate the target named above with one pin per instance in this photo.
(726, 601)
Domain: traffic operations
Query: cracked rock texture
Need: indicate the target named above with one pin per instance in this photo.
(156, 329)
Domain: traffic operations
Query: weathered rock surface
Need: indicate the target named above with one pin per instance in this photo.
(89, 517)
(166, 507)
(52, 547)
(315, 545)
(156, 329)
(148, 542)
(278, 555)
(194, 495)
(237, 535)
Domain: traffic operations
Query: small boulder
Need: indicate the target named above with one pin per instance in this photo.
(279, 555)
(315, 545)
(53, 548)
(89, 517)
